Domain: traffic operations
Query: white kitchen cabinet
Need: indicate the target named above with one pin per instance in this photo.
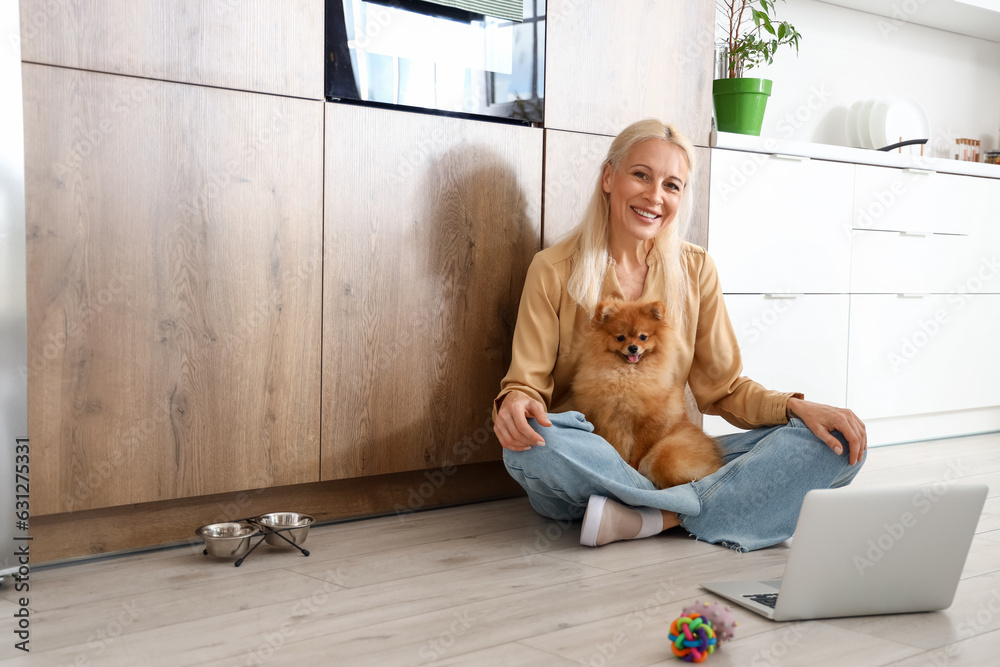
(898, 272)
(912, 200)
(779, 223)
(907, 262)
(927, 354)
(983, 196)
(791, 344)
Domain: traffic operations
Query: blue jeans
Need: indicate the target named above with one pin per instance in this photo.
(752, 502)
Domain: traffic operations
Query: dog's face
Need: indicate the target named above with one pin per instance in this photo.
(630, 330)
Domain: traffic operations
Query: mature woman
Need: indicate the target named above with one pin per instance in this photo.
(629, 246)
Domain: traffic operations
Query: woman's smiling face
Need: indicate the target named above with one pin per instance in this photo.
(645, 191)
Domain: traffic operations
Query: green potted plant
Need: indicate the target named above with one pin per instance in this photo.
(753, 36)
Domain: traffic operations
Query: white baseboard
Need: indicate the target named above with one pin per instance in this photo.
(914, 428)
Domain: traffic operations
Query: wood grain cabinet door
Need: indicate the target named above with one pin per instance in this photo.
(431, 223)
(267, 46)
(174, 254)
(610, 63)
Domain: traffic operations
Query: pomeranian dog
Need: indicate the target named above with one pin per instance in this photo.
(625, 388)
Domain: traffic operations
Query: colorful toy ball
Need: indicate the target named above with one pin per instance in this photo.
(718, 615)
(692, 638)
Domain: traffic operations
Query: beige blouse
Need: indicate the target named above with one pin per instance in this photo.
(550, 324)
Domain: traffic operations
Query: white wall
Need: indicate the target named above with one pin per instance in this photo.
(13, 280)
(847, 55)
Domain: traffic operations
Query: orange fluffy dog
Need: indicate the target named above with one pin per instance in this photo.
(624, 387)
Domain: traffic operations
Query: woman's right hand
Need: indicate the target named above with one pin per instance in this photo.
(511, 425)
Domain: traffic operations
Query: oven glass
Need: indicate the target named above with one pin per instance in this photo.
(428, 56)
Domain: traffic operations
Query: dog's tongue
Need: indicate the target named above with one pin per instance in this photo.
(633, 358)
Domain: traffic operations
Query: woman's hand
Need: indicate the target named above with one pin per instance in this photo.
(512, 427)
(821, 419)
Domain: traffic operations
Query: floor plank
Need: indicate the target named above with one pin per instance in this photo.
(492, 584)
(511, 654)
(975, 611)
(979, 651)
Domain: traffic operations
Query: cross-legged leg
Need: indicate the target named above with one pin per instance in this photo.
(752, 502)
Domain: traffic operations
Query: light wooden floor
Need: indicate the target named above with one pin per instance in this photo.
(490, 584)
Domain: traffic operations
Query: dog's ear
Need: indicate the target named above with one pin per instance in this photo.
(604, 310)
(656, 309)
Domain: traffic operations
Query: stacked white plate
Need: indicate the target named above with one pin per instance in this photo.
(885, 121)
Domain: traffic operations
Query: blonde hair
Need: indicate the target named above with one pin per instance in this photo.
(592, 259)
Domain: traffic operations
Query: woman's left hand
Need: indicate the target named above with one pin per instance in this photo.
(821, 419)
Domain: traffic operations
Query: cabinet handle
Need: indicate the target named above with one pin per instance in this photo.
(909, 295)
(912, 170)
(781, 295)
(785, 156)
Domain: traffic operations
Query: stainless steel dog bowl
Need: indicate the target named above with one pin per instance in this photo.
(230, 539)
(297, 523)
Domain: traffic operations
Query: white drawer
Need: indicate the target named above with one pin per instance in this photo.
(895, 262)
(911, 356)
(983, 195)
(780, 225)
(791, 344)
(912, 200)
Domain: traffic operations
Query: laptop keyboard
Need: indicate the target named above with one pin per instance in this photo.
(766, 599)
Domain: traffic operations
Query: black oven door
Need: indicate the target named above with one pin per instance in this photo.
(425, 56)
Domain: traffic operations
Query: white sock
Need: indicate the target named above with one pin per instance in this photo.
(652, 522)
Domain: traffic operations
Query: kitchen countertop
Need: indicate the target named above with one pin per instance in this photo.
(770, 145)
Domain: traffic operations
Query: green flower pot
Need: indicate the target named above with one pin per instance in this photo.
(739, 104)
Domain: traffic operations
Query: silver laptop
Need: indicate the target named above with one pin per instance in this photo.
(858, 552)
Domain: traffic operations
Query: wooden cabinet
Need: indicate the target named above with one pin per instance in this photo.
(174, 237)
(609, 64)
(780, 224)
(431, 223)
(791, 343)
(572, 164)
(268, 46)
